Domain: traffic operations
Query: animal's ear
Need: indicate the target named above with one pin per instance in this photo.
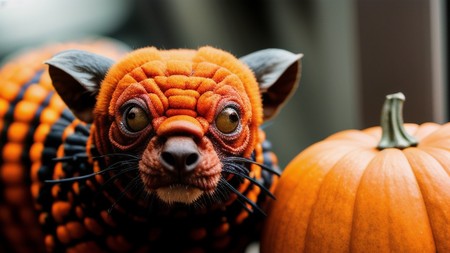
(76, 76)
(277, 72)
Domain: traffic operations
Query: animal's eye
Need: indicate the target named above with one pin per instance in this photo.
(136, 119)
(227, 121)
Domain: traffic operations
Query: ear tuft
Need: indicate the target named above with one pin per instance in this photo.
(278, 73)
(76, 77)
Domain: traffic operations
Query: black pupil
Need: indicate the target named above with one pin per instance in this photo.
(233, 117)
(131, 115)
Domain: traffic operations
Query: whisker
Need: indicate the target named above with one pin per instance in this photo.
(115, 154)
(140, 198)
(130, 184)
(242, 196)
(79, 178)
(237, 167)
(115, 176)
(70, 158)
(112, 179)
(244, 205)
(246, 160)
(201, 202)
(254, 181)
(222, 193)
(85, 156)
(120, 164)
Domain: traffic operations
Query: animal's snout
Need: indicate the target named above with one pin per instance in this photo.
(180, 155)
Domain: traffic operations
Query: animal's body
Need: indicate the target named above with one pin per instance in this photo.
(161, 151)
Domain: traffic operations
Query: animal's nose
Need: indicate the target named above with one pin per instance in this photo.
(180, 154)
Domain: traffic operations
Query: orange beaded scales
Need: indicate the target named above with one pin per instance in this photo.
(91, 163)
(28, 109)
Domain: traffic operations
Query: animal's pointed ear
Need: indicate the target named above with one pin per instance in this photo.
(76, 76)
(278, 73)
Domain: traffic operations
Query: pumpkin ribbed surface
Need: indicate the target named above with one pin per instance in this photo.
(344, 195)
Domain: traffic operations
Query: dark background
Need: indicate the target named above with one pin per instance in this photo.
(356, 52)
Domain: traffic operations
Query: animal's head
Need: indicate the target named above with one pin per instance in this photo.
(183, 113)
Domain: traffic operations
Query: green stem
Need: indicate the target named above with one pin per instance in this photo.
(394, 134)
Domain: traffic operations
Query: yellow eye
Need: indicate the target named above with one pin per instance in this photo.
(227, 121)
(136, 119)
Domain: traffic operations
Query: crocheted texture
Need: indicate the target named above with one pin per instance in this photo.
(70, 186)
(183, 82)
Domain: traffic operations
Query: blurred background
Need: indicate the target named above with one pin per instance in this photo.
(356, 52)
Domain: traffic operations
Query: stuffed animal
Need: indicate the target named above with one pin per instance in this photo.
(158, 151)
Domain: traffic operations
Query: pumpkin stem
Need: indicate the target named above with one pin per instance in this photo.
(394, 134)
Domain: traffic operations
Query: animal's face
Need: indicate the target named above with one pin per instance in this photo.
(182, 112)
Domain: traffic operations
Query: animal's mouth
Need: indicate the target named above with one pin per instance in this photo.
(181, 193)
(181, 190)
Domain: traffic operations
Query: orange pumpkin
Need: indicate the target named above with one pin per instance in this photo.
(354, 193)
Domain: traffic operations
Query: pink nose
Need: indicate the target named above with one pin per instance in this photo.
(180, 125)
